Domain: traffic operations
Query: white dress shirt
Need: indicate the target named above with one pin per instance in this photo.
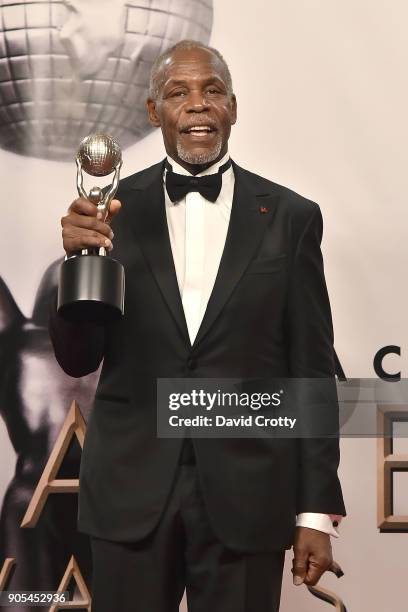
(198, 229)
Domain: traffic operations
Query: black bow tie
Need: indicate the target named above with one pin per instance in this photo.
(209, 186)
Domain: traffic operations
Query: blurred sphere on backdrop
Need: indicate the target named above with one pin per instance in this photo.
(69, 68)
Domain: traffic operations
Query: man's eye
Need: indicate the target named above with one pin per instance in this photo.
(178, 93)
(213, 90)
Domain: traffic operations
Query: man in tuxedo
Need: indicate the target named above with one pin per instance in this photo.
(224, 279)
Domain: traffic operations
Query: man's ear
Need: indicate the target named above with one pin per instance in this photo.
(233, 109)
(152, 113)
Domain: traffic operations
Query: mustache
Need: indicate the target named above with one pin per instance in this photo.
(198, 123)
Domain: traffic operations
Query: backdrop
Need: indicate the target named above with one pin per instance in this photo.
(322, 98)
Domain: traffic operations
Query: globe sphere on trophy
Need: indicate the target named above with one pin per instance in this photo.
(69, 68)
(91, 284)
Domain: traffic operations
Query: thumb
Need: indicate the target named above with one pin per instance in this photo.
(299, 566)
(114, 208)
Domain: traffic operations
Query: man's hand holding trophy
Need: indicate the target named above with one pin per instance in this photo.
(92, 284)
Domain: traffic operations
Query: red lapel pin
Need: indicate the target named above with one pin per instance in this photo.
(263, 209)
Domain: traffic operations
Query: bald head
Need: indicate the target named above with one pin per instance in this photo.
(166, 59)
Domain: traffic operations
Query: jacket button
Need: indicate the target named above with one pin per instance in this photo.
(191, 363)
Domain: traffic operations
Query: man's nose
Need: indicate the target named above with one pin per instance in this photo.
(197, 102)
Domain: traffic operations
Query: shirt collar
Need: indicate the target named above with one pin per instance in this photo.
(213, 169)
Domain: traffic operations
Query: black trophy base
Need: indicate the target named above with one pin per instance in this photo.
(91, 288)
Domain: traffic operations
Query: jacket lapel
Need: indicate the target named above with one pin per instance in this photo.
(149, 222)
(251, 213)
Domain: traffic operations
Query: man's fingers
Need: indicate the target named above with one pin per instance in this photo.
(89, 223)
(82, 206)
(114, 208)
(316, 546)
(315, 569)
(83, 229)
(311, 571)
(299, 567)
(75, 239)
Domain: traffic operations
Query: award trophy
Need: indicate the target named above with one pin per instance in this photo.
(92, 284)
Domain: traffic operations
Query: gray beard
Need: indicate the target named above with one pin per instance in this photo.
(199, 158)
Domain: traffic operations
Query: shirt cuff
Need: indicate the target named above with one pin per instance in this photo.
(321, 522)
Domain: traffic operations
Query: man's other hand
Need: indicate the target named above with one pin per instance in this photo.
(83, 229)
(312, 555)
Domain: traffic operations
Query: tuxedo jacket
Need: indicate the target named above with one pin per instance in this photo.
(268, 316)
